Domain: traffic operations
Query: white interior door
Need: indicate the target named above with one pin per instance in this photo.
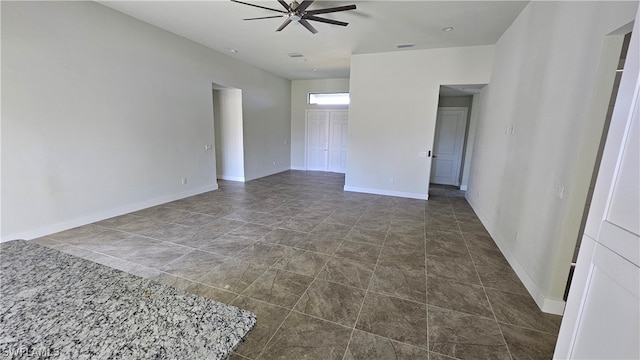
(451, 124)
(327, 140)
(602, 317)
(317, 136)
(338, 125)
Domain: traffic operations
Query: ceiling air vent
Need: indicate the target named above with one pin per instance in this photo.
(404, 46)
(295, 55)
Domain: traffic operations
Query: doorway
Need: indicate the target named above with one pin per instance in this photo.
(456, 97)
(228, 129)
(451, 126)
(326, 137)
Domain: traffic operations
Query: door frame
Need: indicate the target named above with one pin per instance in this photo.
(610, 249)
(462, 145)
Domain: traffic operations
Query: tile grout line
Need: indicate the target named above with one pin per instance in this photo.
(366, 292)
(427, 277)
(426, 282)
(292, 308)
(161, 272)
(484, 290)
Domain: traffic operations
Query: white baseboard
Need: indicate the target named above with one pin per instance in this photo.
(231, 178)
(385, 192)
(548, 305)
(463, 187)
(554, 306)
(299, 168)
(70, 224)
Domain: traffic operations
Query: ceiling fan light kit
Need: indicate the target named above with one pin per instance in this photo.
(297, 12)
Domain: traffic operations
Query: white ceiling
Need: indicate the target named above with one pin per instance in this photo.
(375, 26)
(460, 90)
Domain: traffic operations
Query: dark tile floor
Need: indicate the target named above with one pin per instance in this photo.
(332, 274)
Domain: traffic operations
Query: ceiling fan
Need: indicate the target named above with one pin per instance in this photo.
(298, 12)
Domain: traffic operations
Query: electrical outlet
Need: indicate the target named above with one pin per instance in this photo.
(390, 180)
(517, 237)
(275, 163)
(208, 147)
(559, 192)
(183, 181)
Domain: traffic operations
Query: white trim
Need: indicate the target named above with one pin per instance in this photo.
(463, 187)
(548, 305)
(231, 178)
(554, 306)
(70, 224)
(302, 168)
(386, 192)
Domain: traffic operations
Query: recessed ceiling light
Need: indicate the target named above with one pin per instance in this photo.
(449, 28)
(233, 51)
(314, 69)
(404, 46)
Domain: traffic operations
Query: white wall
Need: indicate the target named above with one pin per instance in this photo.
(543, 84)
(103, 114)
(227, 118)
(267, 127)
(299, 91)
(394, 102)
(470, 140)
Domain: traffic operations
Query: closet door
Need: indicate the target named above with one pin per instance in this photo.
(327, 140)
(338, 141)
(317, 137)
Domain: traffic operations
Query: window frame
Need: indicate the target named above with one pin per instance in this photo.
(309, 95)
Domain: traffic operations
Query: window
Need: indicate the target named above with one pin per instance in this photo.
(329, 98)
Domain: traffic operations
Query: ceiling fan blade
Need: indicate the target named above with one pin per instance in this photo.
(328, 21)
(306, 24)
(265, 17)
(304, 5)
(284, 4)
(258, 6)
(330, 10)
(284, 24)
